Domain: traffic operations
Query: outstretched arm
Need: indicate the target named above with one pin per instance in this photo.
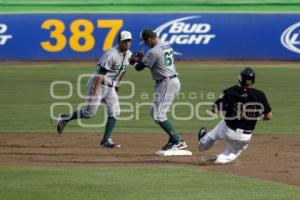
(268, 116)
(139, 66)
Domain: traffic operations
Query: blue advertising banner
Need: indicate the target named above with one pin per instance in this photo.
(192, 35)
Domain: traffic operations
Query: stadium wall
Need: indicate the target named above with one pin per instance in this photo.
(211, 36)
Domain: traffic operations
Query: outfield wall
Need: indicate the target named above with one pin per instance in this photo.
(212, 36)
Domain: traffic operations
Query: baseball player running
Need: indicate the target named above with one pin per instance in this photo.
(243, 106)
(160, 61)
(102, 87)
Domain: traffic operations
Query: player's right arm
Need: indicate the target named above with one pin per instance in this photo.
(98, 80)
(220, 103)
(103, 65)
(148, 61)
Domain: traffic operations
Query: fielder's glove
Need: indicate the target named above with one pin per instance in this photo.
(136, 57)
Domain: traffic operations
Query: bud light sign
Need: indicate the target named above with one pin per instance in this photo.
(193, 36)
(185, 31)
(290, 38)
(3, 36)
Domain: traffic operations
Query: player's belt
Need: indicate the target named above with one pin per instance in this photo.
(244, 131)
(106, 84)
(169, 77)
(247, 131)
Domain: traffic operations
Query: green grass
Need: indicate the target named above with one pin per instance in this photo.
(145, 2)
(172, 183)
(25, 100)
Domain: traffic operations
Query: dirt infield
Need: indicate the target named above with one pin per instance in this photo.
(269, 157)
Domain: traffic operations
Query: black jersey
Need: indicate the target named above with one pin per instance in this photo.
(243, 106)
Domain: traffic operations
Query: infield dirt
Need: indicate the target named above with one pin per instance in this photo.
(269, 157)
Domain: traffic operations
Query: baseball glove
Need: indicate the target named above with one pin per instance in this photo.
(136, 57)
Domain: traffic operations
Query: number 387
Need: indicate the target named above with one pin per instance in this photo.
(81, 39)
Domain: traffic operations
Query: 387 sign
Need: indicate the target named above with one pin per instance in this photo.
(210, 36)
(81, 37)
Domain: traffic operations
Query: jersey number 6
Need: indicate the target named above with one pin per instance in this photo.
(168, 58)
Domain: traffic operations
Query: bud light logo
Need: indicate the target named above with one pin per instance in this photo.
(290, 38)
(182, 32)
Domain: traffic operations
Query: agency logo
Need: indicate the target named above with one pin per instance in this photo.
(290, 38)
(185, 31)
(4, 38)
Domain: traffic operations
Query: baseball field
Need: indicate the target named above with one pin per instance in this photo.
(36, 163)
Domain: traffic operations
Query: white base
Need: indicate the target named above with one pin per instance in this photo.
(173, 153)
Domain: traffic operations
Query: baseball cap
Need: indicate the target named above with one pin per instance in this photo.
(146, 34)
(124, 35)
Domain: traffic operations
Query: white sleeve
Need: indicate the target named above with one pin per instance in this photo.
(149, 59)
(129, 54)
(106, 61)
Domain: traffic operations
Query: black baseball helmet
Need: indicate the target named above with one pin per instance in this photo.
(247, 76)
(147, 33)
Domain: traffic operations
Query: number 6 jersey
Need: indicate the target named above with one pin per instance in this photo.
(160, 61)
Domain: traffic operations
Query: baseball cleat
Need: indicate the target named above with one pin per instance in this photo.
(61, 124)
(167, 146)
(175, 146)
(202, 133)
(109, 144)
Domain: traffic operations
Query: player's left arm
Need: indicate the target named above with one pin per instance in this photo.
(268, 116)
(139, 66)
(267, 108)
(136, 60)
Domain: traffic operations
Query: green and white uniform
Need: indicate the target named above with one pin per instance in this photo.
(114, 63)
(111, 67)
(160, 61)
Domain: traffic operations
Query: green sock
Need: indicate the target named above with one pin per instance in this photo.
(110, 124)
(167, 126)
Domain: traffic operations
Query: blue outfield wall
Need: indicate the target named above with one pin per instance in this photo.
(193, 35)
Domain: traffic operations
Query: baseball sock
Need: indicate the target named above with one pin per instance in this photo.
(110, 124)
(73, 116)
(167, 126)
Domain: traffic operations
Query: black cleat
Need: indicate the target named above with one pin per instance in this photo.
(202, 133)
(175, 146)
(109, 144)
(61, 124)
(167, 146)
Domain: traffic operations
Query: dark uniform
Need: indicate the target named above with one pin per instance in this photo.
(243, 106)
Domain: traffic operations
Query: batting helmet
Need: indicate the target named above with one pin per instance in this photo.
(247, 76)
